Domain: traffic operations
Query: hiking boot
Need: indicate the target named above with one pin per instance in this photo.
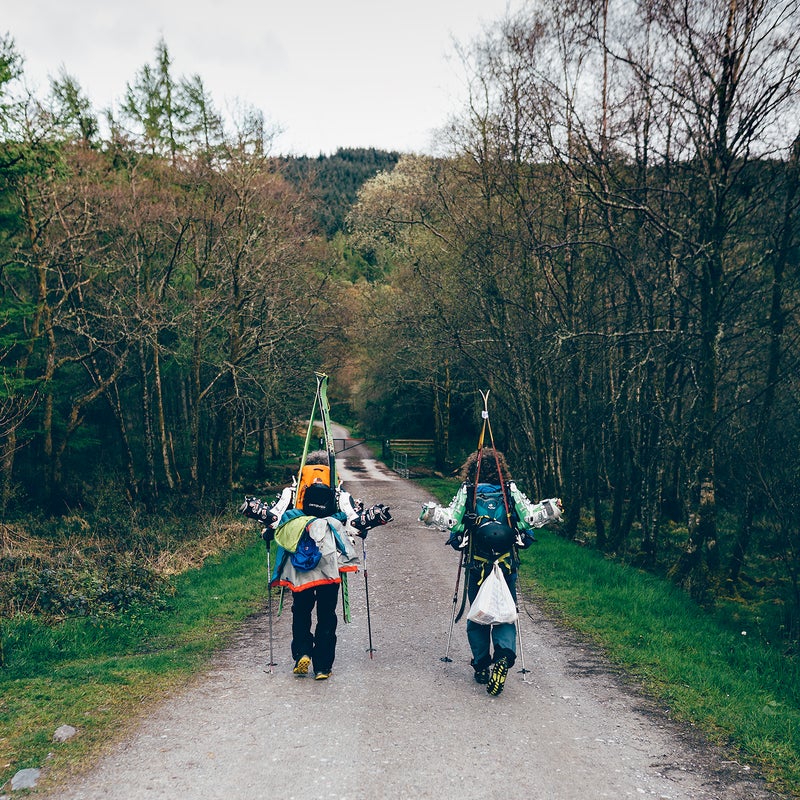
(482, 675)
(301, 667)
(322, 675)
(498, 677)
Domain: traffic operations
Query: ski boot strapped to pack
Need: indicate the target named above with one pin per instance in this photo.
(256, 509)
(269, 516)
(434, 515)
(535, 515)
(372, 517)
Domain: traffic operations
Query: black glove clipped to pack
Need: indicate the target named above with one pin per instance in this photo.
(258, 510)
(371, 518)
(455, 541)
(525, 539)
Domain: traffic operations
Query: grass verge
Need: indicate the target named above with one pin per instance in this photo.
(96, 673)
(741, 692)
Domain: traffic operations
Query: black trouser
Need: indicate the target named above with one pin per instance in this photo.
(321, 646)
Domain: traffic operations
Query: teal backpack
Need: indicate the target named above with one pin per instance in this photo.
(489, 503)
(493, 530)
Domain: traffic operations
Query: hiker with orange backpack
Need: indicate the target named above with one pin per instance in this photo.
(314, 525)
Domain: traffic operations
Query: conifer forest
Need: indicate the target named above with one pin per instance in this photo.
(608, 240)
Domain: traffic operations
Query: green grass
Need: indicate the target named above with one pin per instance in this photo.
(740, 691)
(95, 673)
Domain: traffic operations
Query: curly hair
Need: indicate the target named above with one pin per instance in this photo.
(490, 459)
(318, 457)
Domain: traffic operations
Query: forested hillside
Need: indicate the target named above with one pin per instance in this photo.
(334, 180)
(611, 246)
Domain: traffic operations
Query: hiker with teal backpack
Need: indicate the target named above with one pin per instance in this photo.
(489, 521)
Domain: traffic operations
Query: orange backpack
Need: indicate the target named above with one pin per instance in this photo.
(311, 473)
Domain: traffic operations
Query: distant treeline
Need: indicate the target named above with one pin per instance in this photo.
(333, 181)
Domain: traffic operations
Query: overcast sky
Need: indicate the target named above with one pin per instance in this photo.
(352, 73)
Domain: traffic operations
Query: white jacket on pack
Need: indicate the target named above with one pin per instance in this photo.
(337, 550)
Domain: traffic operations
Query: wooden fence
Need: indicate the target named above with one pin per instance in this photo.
(401, 449)
(411, 447)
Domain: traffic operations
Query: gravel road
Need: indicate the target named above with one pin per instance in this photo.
(404, 724)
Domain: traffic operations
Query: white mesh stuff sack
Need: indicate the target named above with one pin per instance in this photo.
(494, 604)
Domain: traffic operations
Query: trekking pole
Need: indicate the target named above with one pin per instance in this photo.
(521, 649)
(370, 649)
(445, 657)
(269, 606)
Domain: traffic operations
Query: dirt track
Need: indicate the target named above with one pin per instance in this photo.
(404, 724)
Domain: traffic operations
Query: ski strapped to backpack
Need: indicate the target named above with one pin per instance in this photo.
(321, 400)
(488, 426)
(325, 416)
(472, 501)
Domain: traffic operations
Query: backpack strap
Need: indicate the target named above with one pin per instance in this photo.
(505, 560)
(339, 543)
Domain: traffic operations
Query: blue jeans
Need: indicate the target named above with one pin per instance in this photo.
(483, 638)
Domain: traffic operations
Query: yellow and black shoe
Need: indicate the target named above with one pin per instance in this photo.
(322, 675)
(497, 679)
(482, 675)
(302, 665)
